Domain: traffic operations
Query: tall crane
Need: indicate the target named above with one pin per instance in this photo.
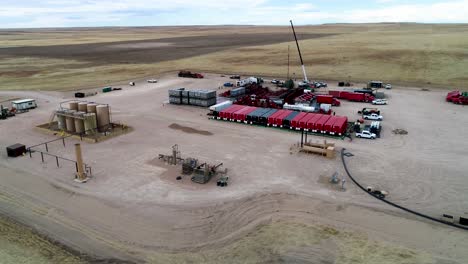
(300, 55)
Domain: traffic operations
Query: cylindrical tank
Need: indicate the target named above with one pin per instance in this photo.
(82, 107)
(70, 121)
(61, 120)
(73, 105)
(103, 117)
(90, 123)
(91, 108)
(79, 124)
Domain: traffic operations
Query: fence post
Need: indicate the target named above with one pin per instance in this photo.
(63, 140)
(56, 158)
(42, 157)
(46, 147)
(30, 153)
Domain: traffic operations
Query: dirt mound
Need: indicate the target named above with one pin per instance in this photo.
(190, 130)
(400, 131)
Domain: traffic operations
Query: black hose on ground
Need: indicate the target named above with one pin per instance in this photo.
(394, 204)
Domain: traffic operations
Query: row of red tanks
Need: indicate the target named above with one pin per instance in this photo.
(288, 119)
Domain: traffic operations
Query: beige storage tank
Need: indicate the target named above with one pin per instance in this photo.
(79, 124)
(73, 105)
(91, 108)
(103, 117)
(82, 107)
(61, 120)
(70, 121)
(90, 123)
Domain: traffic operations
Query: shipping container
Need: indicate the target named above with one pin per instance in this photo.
(289, 118)
(303, 122)
(263, 120)
(311, 124)
(271, 119)
(280, 118)
(242, 117)
(295, 121)
(24, 104)
(319, 125)
(223, 105)
(340, 126)
(328, 127)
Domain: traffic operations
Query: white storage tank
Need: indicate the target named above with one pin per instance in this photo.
(90, 123)
(79, 124)
(82, 107)
(103, 117)
(70, 120)
(61, 120)
(91, 108)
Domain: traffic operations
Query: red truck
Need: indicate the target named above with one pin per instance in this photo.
(359, 97)
(297, 119)
(340, 126)
(339, 94)
(327, 99)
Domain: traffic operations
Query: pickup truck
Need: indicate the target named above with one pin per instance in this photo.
(379, 102)
(373, 116)
(366, 134)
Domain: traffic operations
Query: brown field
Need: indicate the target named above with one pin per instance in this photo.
(67, 59)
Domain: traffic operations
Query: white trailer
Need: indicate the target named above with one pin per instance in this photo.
(244, 82)
(24, 104)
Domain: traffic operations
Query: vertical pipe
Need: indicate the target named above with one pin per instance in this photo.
(79, 163)
(42, 157)
(30, 153)
(56, 159)
(63, 140)
(302, 138)
(46, 147)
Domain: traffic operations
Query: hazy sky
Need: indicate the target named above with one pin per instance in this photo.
(84, 13)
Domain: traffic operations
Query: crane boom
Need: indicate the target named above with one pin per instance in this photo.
(300, 55)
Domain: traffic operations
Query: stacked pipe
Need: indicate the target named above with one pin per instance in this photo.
(203, 98)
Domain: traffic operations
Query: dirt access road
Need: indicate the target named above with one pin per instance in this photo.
(134, 208)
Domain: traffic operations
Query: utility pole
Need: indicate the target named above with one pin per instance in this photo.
(288, 63)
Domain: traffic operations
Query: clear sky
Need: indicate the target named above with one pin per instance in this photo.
(90, 13)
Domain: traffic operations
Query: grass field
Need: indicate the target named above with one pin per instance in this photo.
(406, 54)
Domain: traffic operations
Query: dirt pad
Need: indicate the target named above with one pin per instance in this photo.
(190, 130)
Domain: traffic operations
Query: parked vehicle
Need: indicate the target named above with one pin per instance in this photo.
(23, 105)
(457, 97)
(274, 81)
(373, 116)
(375, 84)
(228, 84)
(368, 111)
(235, 77)
(152, 81)
(379, 102)
(327, 99)
(131, 83)
(366, 134)
(189, 74)
(388, 86)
